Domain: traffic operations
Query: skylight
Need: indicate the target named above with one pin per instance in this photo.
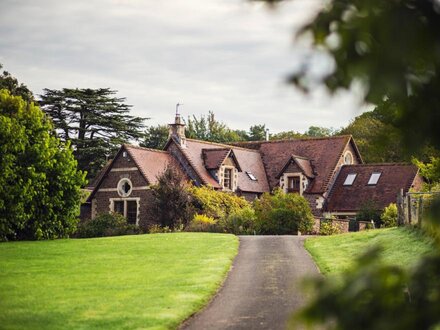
(374, 178)
(350, 179)
(251, 176)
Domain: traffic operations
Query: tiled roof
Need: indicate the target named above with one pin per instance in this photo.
(350, 198)
(214, 158)
(303, 164)
(152, 163)
(249, 161)
(324, 153)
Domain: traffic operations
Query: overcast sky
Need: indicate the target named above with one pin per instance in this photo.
(228, 56)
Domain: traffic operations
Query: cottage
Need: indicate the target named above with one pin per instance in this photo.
(316, 168)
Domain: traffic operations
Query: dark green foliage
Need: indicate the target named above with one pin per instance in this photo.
(155, 137)
(112, 224)
(171, 205)
(369, 211)
(280, 213)
(257, 133)
(317, 131)
(7, 81)
(376, 296)
(94, 120)
(210, 129)
(39, 182)
(240, 222)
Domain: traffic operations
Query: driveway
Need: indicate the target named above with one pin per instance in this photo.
(262, 288)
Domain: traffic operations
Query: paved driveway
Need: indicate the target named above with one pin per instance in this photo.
(263, 287)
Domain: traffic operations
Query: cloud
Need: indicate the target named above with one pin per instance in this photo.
(228, 56)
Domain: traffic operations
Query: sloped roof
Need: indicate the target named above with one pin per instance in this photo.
(303, 163)
(249, 161)
(214, 158)
(323, 152)
(151, 162)
(350, 198)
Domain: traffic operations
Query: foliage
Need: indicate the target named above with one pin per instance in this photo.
(7, 81)
(370, 295)
(430, 171)
(125, 282)
(216, 204)
(171, 204)
(209, 129)
(240, 222)
(94, 121)
(257, 133)
(203, 223)
(157, 229)
(328, 227)
(389, 216)
(286, 135)
(110, 224)
(281, 213)
(317, 131)
(155, 137)
(39, 182)
(369, 211)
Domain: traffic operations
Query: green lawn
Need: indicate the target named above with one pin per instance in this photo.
(401, 246)
(129, 282)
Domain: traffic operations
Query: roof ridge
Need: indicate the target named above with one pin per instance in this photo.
(296, 139)
(381, 164)
(127, 145)
(229, 146)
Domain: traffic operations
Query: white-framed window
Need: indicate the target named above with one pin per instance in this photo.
(125, 187)
(374, 178)
(251, 176)
(348, 158)
(227, 178)
(127, 207)
(350, 179)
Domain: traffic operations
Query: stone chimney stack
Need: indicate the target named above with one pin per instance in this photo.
(177, 130)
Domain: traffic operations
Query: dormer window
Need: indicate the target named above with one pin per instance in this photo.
(350, 179)
(374, 178)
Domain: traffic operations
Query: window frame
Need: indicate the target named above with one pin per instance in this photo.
(372, 182)
(347, 182)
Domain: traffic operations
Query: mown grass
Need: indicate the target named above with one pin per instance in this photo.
(401, 247)
(145, 281)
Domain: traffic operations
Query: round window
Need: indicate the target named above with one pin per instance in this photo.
(124, 187)
(348, 158)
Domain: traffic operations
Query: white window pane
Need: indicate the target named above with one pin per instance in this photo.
(251, 176)
(374, 178)
(349, 179)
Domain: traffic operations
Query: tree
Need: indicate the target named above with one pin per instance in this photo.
(360, 36)
(286, 135)
(210, 129)
(39, 182)
(14, 87)
(317, 131)
(155, 137)
(257, 133)
(171, 205)
(94, 121)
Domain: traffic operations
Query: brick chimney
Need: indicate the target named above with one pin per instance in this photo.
(177, 130)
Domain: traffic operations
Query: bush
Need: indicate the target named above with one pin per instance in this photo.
(389, 216)
(328, 227)
(112, 224)
(282, 213)
(157, 229)
(369, 211)
(240, 222)
(216, 204)
(171, 204)
(203, 223)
